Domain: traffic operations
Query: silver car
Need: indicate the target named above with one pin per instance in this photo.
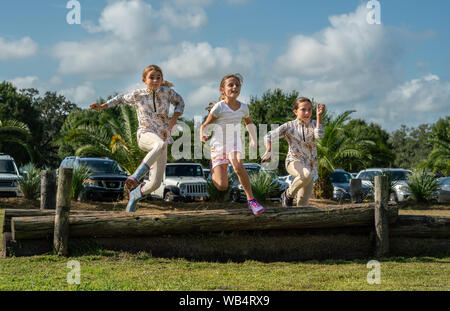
(443, 194)
(399, 175)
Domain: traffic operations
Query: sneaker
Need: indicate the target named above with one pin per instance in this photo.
(255, 207)
(135, 196)
(286, 201)
(130, 184)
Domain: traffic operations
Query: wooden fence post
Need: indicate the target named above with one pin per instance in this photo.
(63, 198)
(48, 189)
(356, 190)
(381, 215)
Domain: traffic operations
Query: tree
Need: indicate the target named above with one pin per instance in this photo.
(439, 158)
(336, 148)
(15, 133)
(411, 145)
(380, 151)
(108, 136)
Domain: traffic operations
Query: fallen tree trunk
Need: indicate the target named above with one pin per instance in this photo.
(145, 224)
(10, 213)
(419, 226)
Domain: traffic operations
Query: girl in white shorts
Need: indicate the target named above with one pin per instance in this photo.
(226, 144)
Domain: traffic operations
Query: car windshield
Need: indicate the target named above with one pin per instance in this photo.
(252, 169)
(400, 175)
(340, 177)
(184, 170)
(7, 167)
(98, 166)
(444, 181)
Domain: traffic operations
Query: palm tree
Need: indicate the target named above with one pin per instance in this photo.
(112, 135)
(336, 148)
(439, 158)
(15, 132)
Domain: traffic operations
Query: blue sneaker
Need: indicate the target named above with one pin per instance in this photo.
(255, 207)
(135, 196)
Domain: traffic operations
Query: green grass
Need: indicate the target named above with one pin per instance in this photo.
(107, 270)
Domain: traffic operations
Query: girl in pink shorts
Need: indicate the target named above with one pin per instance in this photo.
(226, 144)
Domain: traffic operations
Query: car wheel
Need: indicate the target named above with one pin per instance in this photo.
(235, 197)
(168, 196)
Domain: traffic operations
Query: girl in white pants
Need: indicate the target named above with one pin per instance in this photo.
(152, 107)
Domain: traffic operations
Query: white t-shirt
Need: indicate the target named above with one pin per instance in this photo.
(227, 127)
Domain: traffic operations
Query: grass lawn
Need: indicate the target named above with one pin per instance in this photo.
(107, 270)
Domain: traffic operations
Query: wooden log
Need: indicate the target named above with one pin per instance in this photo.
(48, 190)
(61, 220)
(381, 217)
(145, 224)
(10, 213)
(418, 226)
(356, 190)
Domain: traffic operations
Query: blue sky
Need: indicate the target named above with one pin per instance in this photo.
(393, 73)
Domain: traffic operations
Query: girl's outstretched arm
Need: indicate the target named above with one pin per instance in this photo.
(210, 119)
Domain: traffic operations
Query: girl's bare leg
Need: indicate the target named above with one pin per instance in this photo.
(241, 172)
(219, 176)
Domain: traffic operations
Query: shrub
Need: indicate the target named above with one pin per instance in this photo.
(263, 185)
(80, 174)
(30, 183)
(422, 184)
(216, 195)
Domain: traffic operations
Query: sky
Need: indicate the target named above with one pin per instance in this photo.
(391, 65)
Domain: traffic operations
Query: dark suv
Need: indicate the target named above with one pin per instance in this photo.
(107, 179)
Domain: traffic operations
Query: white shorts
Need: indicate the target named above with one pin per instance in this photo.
(220, 153)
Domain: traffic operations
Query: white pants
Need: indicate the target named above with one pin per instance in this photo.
(156, 159)
(302, 185)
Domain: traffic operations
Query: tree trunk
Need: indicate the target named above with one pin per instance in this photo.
(142, 224)
(323, 188)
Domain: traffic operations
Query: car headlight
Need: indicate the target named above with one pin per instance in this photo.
(182, 189)
(403, 188)
(90, 183)
(338, 189)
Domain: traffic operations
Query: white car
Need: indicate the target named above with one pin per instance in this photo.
(399, 175)
(9, 177)
(182, 181)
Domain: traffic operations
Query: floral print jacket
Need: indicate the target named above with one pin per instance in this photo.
(152, 109)
(301, 137)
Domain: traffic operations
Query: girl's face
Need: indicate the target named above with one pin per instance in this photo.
(153, 80)
(231, 88)
(304, 111)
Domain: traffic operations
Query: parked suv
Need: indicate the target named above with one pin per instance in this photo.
(9, 177)
(107, 179)
(182, 181)
(399, 176)
(340, 179)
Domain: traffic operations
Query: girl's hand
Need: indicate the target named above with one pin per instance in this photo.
(320, 109)
(253, 144)
(266, 156)
(95, 106)
(204, 138)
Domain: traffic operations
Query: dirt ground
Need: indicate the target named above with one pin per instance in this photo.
(159, 205)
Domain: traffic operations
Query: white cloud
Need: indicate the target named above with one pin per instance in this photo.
(201, 60)
(25, 82)
(201, 97)
(192, 17)
(82, 95)
(22, 48)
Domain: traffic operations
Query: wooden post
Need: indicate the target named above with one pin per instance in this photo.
(63, 198)
(356, 190)
(381, 216)
(48, 189)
